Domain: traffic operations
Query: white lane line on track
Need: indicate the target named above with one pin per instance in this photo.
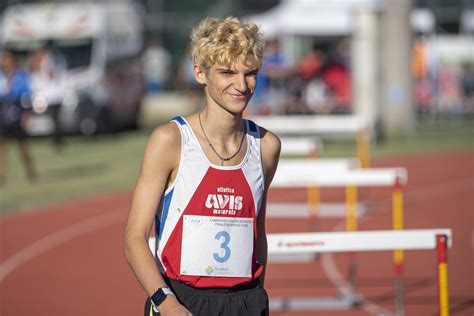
(56, 239)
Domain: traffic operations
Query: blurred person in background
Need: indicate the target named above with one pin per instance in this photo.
(318, 97)
(468, 87)
(269, 96)
(14, 111)
(422, 85)
(207, 175)
(337, 77)
(450, 89)
(47, 69)
(307, 84)
(312, 63)
(156, 62)
(191, 87)
(326, 82)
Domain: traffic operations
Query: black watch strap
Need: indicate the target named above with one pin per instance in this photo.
(159, 296)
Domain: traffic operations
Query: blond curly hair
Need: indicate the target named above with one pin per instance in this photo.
(225, 41)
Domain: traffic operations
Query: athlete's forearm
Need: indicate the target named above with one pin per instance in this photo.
(143, 264)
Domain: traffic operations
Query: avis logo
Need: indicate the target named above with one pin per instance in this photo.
(222, 201)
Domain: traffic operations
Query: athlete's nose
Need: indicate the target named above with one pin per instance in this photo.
(241, 83)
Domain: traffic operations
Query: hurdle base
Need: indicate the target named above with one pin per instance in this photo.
(343, 302)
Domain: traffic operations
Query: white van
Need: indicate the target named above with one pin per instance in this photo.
(102, 86)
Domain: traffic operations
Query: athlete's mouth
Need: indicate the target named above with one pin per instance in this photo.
(238, 96)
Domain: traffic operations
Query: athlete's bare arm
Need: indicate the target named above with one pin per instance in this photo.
(158, 169)
(270, 147)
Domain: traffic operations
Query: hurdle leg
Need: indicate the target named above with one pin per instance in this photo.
(442, 246)
(351, 208)
(351, 226)
(313, 198)
(399, 295)
(398, 256)
(363, 147)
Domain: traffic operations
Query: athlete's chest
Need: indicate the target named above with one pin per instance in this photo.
(225, 193)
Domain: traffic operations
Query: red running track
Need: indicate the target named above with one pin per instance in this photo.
(66, 258)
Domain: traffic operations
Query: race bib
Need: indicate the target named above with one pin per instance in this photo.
(217, 246)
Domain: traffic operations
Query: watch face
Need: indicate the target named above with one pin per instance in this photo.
(158, 297)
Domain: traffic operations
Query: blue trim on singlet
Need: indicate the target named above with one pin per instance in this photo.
(252, 126)
(179, 119)
(164, 213)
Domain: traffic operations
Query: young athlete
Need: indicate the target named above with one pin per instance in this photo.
(203, 183)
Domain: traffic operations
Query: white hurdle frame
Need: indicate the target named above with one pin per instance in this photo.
(301, 146)
(300, 174)
(313, 167)
(289, 168)
(348, 124)
(364, 241)
(339, 177)
(321, 125)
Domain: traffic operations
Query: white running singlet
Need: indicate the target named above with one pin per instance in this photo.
(206, 225)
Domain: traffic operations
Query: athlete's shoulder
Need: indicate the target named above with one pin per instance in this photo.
(165, 138)
(271, 143)
(164, 144)
(270, 148)
(162, 153)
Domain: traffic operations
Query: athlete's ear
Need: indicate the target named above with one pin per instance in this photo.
(199, 74)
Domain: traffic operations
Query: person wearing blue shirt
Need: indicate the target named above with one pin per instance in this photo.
(14, 106)
(268, 96)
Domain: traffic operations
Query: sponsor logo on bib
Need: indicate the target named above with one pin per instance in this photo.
(224, 204)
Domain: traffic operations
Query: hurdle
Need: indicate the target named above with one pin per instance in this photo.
(311, 167)
(351, 180)
(295, 175)
(363, 241)
(301, 146)
(322, 126)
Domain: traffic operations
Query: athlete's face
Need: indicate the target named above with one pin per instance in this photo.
(230, 87)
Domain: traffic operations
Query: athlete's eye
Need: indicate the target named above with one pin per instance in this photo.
(226, 72)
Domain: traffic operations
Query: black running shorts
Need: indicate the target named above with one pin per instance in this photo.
(243, 300)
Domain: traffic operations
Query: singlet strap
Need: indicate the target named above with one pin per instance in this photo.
(184, 128)
(179, 120)
(253, 129)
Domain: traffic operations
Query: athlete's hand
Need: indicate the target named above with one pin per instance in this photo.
(171, 307)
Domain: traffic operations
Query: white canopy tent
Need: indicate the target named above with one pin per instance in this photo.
(325, 18)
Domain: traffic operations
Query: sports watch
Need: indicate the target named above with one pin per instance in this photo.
(159, 296)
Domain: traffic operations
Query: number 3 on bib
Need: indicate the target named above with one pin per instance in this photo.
(224, 245)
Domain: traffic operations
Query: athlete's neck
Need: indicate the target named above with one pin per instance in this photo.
(222, 127)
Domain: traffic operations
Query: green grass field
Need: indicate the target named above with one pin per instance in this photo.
(108, 163)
